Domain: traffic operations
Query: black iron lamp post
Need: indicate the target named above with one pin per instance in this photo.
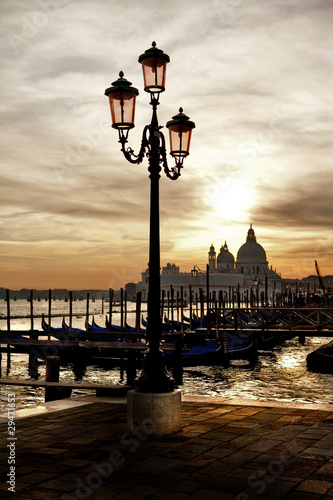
(122, 96)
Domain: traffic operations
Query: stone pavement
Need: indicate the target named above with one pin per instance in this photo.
(226, 450)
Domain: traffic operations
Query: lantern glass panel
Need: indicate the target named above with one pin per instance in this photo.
(180, 139)
(154, 72)
(122, 106)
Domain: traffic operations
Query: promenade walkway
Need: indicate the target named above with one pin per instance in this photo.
(228, 449)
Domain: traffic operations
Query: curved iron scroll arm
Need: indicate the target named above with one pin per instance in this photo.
(174, 172)
(129, 152)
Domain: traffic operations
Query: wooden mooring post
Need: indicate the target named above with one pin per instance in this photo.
(202, 307)
(162, 304)
(50, 315)
(131, 366)
(33, 359)
(52, 375)
(125, 309)
(110, 307)
(70, 311)
(8, 328)
(138, 312)
(177, 368)
(177, 309)
(181, 309)
(31, 310)
(190, 294)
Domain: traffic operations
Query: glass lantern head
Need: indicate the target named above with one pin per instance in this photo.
(180, 132)
(122, 97)
(154, 62)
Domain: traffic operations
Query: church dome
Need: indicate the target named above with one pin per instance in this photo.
(251, 250)
(225, 257)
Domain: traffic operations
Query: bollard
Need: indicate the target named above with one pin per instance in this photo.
(301, 338)
(52, 375)
(131, 366)
(52, 369)
(177, 371)
(33, 359)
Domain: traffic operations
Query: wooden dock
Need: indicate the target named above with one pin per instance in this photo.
(101, 389)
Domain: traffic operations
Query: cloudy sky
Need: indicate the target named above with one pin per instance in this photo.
(255, 77)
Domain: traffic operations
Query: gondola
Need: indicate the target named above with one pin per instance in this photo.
(208, 354)
(171, 325)
(166, 327)
(195, 323)
(36, 350)
(237, 346)
(19, 348)
(61, 333)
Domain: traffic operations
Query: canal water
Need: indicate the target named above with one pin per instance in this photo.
(281, 374)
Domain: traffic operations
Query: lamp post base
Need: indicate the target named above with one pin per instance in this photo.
(154, 414)
(154, 376)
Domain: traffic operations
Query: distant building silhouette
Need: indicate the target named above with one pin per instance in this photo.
(250, 273)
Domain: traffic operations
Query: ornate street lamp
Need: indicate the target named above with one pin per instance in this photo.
(122, 96)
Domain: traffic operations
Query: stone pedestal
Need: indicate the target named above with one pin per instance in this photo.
(154, 414)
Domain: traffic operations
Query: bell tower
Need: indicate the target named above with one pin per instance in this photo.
(212, 258)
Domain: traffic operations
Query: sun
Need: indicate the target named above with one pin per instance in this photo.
(230, 198)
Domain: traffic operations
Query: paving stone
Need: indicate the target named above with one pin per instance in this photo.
(262, 489)
(322, 451)
(217, 468)
(262, 445)
(187, 451)
(58, 484)
(74, 462)
(326, 468)
(297, 471)
(206, 494)
(186, 486)
(25, 469)
(162, 480)
(301, 495)
(137, 493)
(311, 486)
(38, 494)
(240, 457)
(37, 477)
(167, 495)
(157, 465)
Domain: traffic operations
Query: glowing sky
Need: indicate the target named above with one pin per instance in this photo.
(255, 77)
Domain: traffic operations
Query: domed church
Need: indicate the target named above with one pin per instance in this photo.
(251, 262)
(250, 272)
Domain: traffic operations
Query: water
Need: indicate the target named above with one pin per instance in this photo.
(281, 374)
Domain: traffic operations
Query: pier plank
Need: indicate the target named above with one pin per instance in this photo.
(69, 385)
